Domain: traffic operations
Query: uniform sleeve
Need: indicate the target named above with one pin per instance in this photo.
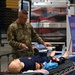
(36, 37)
(11, 38)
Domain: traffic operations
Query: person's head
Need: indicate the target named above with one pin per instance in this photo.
(22, 16)
(15, 66)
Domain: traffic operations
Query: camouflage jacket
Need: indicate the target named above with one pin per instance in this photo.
(18, 34)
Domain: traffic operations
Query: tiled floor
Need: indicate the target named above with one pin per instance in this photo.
(4, 59)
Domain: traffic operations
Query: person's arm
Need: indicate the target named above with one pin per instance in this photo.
(35, 36)
(59, 60)
(38, 38)
(42, 71)
(12, 40)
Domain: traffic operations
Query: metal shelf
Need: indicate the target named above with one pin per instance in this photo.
(49, 25)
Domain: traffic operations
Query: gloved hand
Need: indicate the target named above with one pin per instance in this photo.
(50, 65)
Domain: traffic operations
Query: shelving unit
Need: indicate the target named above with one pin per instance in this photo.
(46, 21)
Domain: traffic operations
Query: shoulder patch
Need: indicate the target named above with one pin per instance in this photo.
(29, 58)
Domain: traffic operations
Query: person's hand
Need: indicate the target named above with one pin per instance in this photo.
(47, 44)
(24, 47)
(42, 71)
(55, 59)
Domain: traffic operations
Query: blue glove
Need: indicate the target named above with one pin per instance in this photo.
(50, 65)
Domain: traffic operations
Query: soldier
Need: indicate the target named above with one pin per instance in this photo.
(20, 35)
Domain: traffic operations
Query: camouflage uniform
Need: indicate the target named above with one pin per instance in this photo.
(18, 34)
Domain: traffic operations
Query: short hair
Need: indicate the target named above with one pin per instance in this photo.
(21, 12)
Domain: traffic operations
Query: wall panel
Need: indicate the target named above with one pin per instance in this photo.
(12, 3)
